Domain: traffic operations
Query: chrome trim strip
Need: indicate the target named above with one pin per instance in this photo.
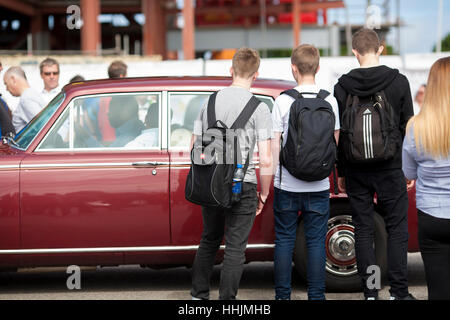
(122, 249)
(86, 165)
(12, 166)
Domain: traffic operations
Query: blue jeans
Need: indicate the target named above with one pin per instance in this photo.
(315, 208)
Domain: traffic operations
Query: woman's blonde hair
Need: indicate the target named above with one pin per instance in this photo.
(432, 124)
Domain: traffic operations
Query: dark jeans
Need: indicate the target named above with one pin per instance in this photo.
(315, 208)
(434, 242)
(392, 204)
(236, 225)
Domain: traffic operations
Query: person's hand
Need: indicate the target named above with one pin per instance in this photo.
(261, 202)
(409, 184)
(341, 184)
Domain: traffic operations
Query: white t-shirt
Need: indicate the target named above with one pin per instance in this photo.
(48, 96)
(280, 120)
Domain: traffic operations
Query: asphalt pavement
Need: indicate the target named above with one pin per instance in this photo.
(136, 283)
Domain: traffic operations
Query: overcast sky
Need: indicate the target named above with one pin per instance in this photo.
(420, 17)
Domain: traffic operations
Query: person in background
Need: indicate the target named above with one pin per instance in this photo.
(123, 115)
(116, 70)
(426, 157)
(77, 78)
(31, 102)
(49, 69)
(419, 98)
(6, 126)
(149, 135)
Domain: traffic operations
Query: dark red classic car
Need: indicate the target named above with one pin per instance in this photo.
(98, 177)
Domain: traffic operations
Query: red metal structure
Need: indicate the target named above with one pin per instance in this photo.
(161, 15)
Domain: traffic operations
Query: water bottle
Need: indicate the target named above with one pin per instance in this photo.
(237, 184)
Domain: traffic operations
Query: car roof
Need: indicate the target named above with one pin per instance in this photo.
(211, 83)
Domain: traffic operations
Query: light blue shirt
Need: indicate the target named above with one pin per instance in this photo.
(433, 179)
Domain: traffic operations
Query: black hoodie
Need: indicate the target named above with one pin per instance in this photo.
(367, 81)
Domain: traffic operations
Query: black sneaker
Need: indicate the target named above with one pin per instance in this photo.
(408, 297)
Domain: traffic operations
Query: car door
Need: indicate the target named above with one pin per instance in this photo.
(85, 192)
(9, 205)
(186, 217)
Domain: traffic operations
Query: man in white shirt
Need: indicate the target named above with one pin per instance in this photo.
(31, 102)
(49, 69)
(292, 195)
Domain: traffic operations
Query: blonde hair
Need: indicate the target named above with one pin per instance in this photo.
(306, 58)
(432, 124)
(246, 62)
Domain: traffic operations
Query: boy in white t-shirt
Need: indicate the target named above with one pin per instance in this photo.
(292, 195)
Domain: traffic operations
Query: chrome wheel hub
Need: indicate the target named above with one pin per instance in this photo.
(340, 246)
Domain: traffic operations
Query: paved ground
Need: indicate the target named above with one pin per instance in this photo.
(135, 283)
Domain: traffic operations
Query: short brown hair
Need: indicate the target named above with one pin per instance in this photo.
(366, 41)
(48, 63)
(117, 69)
(246, 62)
(306, 58)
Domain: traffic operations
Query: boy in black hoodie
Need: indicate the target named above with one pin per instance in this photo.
(385, 178)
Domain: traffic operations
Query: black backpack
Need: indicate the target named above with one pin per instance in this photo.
(214, 158)
(310, 150)
(368, 129)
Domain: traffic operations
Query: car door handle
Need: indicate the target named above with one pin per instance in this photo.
(145, 164)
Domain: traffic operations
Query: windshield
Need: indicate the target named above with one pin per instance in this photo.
(26, 136)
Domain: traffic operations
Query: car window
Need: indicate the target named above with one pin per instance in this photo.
(59, 135)
(24, 138)
(267, 100)
(184, 109)
(127, 121)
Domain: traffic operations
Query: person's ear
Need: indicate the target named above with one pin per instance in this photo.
(255, 75)
(232, 72)
(380, 50)
(356, 53)
(295, 72)
(318, 68)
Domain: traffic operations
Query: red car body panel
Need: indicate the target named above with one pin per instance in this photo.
(97, 203)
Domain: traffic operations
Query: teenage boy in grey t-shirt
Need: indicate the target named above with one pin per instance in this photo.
(236, 223)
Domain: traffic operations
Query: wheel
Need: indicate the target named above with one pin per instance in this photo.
(341, 271)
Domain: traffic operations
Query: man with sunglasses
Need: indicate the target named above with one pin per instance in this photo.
(50, 75)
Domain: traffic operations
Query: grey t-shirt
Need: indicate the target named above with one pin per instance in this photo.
(230, 102)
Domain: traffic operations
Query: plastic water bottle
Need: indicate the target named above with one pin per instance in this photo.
(237, 184)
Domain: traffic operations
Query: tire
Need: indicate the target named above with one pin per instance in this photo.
(341, 271)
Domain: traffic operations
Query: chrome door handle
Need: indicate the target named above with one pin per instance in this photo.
(145, 164)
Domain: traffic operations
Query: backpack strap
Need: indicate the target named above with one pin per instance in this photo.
(211, 111)
(292, 93)
(242, 120)
(323, 94)
(246, 113)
